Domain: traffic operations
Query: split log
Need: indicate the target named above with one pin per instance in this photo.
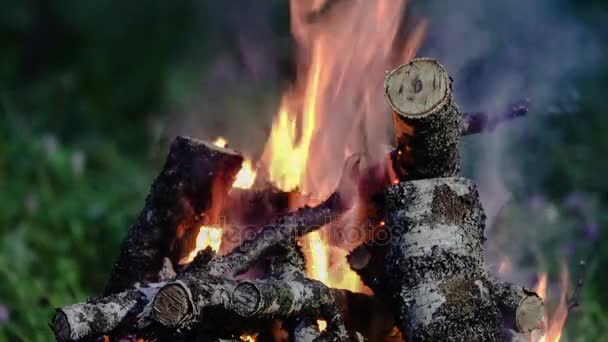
(188, 191)
(426, 120)
(434, 262)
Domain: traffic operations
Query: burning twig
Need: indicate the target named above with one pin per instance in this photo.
(287, 228)
(478, 122)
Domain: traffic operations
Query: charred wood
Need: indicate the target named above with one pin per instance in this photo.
(195, 177)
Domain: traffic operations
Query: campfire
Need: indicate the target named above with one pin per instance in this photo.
(333, 235)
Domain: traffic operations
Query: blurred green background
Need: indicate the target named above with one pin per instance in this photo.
(90, 90)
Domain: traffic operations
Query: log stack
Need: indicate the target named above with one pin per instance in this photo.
(426, 272)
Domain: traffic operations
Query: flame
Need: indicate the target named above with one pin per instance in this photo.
(322, 324)
(248, 338)
(208, 236)
(319, 266)
(288, 151)
(554, 325)
(336, 106)
(220, 142)
(245, 177)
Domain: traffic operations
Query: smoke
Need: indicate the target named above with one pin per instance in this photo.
(499, 52)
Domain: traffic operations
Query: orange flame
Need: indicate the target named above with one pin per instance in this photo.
(554, 325)
(208, 236)
(248, 338)
(336, 106)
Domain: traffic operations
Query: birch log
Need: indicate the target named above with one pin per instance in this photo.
(434, 262)
(426, 120)
(189, 190)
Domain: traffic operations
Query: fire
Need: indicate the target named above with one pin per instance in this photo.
(220, 142)
(336, 106)
(319, 257)
(248, 338)
(322, 325)
(208, 236)
(245, 177)
(554, 325)
(288, 150)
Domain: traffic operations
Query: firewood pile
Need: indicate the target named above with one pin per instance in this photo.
(424, 262)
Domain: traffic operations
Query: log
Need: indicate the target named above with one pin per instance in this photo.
(98, 317)
(434, 262)
(426, 119)
(188, 192)
(522, 309)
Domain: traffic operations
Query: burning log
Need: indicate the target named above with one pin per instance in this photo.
(188, 192)
(285, 229)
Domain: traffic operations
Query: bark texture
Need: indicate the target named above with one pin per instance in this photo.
(426, 120)
(434, 262)
(189, 191)
(99, 316)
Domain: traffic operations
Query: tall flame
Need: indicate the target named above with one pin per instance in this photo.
(554, 325)
(336, 106)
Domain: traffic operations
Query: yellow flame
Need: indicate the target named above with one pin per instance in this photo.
(554, 325)
(246, 176)
(289, 150)
(318, 255)
(220, 142)
(335, 106)
(319, 258)
(322, 324)
(208, 236)
(248, 338)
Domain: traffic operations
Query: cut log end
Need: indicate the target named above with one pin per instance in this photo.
(416, 89)
(246, 299)
(172, 305)
(530, 313)
(61, 326)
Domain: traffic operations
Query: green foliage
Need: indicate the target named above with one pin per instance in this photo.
(64, 211)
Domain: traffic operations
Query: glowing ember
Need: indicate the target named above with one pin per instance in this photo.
(554, 325)
(220, 142)
(248, 338)
(245, 177)
(322, 325)
(207, 237)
